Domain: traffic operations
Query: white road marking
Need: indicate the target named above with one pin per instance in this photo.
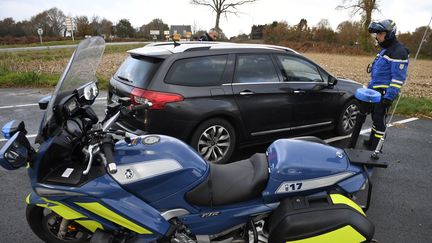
(367, 130)
(16, 106)
(36, 104)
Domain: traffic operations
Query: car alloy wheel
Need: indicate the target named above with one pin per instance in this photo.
(214, 143)
(349, 117)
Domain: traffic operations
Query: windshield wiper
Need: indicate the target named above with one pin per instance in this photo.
(124, 79)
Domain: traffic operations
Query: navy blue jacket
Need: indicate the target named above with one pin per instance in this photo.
(206, 37)
(389, 69)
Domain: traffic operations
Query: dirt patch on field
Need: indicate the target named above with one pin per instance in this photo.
(108, 66)
(419, 82)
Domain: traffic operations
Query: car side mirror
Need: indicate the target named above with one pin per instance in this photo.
(332, 81)
(15, 153)
(43, 103)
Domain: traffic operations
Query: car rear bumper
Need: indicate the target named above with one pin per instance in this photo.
(159, 122)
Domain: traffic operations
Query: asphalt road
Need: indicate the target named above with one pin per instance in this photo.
(401, 204)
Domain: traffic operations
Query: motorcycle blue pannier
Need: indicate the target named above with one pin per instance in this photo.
(331, 218)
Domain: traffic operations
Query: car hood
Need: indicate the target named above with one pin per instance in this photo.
(349, 82)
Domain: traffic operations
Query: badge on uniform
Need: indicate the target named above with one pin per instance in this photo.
(401, 66)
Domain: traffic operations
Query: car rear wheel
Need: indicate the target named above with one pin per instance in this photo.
(347, 118)
(214, 140)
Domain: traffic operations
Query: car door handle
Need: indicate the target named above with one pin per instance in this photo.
(247, 92)
(299, 92)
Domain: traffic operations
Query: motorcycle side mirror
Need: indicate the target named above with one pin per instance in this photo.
(12, 127)
(15, 152)
(43, 103)
(332, 81)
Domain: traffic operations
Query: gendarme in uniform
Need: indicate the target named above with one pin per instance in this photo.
(388, 74)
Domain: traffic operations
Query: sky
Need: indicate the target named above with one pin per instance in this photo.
(408, 14)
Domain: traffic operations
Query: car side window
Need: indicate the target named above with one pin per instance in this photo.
(298, 70)
(255, 69)
(198, 71)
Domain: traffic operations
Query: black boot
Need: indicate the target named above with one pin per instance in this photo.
(373, 143)
(367, 143)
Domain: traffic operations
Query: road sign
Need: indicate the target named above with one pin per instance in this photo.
(154, 32)
(166, 32)
(40, 32)
(70, 26)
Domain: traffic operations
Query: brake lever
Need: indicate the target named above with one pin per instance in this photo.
(89, 152)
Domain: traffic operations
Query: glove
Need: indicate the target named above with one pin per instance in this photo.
(387, 102)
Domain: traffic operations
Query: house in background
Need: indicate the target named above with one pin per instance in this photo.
(181, 32)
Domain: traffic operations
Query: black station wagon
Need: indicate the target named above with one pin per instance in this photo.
(219, 96)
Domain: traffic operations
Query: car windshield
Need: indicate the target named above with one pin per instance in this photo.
(80, 71)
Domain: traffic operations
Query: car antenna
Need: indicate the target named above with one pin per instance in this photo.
(176, 44)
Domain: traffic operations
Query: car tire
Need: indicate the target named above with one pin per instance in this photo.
(214, 140)
(347, 118)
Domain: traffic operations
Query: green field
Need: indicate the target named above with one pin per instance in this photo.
(49, 43)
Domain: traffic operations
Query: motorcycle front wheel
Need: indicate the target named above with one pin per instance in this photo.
(46, 225)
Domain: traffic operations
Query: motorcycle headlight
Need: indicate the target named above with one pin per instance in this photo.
(91, 92)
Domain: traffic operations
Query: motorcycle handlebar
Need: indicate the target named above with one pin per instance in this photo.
(107, 148)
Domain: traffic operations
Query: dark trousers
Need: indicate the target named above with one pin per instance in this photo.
(379, 115)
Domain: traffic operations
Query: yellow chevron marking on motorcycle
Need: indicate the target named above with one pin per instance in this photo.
(28, 199)
(345, 234)
(62, 210)
(104, 212)
(340, 199)
(90, 224)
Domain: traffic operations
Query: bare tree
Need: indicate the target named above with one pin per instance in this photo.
(222, 7)
(365, 8)
(56, 19)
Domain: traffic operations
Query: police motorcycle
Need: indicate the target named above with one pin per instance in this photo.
(91, 183)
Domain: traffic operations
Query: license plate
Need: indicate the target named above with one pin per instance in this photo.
(114, 98)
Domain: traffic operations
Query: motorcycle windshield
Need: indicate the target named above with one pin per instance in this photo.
(80, 70)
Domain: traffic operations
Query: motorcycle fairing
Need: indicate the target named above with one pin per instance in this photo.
(162, 172)
(67, 213)
(103, 200)
(294, 169)
(214, 220)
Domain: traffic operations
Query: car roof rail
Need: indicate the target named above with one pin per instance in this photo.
(201, 48)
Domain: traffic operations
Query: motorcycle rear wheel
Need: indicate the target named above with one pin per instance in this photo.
(45, 224)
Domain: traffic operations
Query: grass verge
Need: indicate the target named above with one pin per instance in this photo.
(36, 80)
(56, 54)
(411, 106)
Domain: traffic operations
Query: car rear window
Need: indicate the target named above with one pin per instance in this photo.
(198, 71)
(137, 70)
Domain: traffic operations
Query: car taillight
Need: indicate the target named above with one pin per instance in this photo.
(158, 99)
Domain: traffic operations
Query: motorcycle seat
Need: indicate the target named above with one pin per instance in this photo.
(232, 183)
